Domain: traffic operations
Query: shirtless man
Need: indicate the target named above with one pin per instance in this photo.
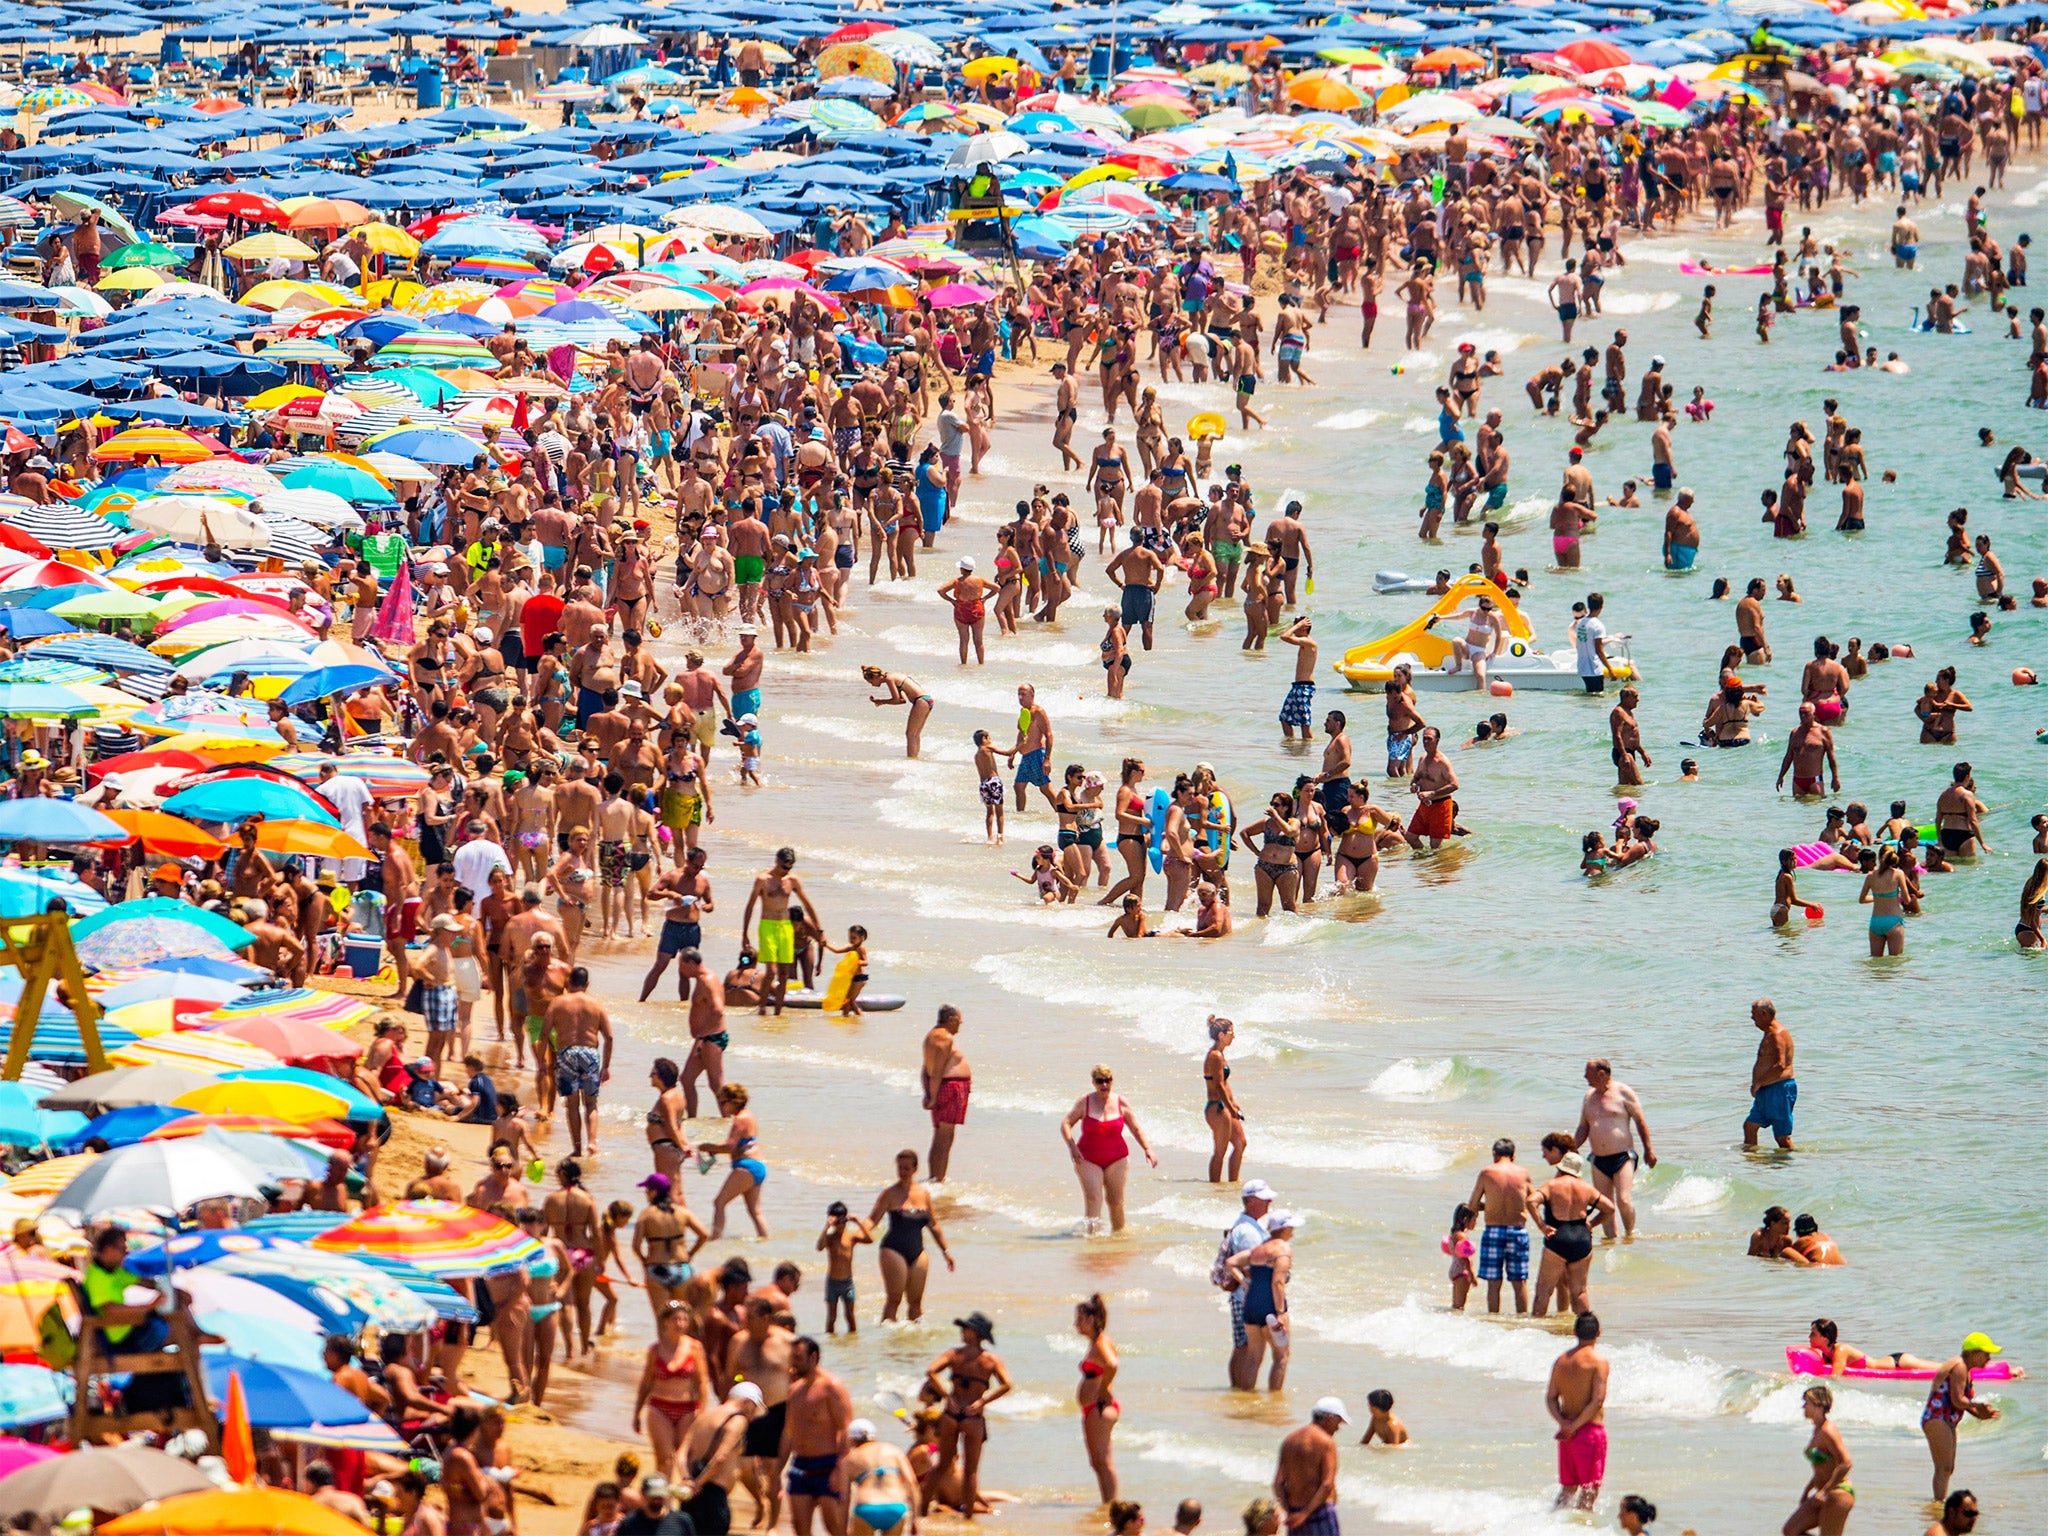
(1577, 1399)
(706, 697)
(708, 1034)
(979, 1378)
(1625, 737)
(580, 1031)
(688, 892)
(1301, 692)
(1434, 783)
(1032, 752)
(1749, 623)
(773, 892)
(276, 948)
(744, 669)
(1137, 573)
(814, 1441)
(1305, 1482)
(1773, 1090)
(711, 1458)
(947, 1081)
(1610, 1118)
(1809, 748)
(1502, 1194)
(401, 901)
(760, 1353)
(1294, 548)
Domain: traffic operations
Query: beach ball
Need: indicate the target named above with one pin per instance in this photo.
(1501, 688)
(2023, 678)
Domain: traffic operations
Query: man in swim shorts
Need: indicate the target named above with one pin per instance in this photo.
(1610, 1119)
(1502, 1194)
(1577, 1399)
(820, 1411)
(1772, 1087)
(1032, 752)
(774, 892)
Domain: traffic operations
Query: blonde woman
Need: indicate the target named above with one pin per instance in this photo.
(1221, 1111)
(1827, 1499)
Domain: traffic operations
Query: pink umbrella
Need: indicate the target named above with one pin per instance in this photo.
(16, 1454)
(1593, 53)
(958, 295)
(221, 608)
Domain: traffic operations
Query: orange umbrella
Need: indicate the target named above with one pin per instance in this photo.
(237, 1440)
(291, 835)
(329, 213)
(163, 443)
(329, 1133)
(170, 835)
(1449, 58)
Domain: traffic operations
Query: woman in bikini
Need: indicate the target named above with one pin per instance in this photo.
(547, 1281)
(1273, 839)
(666, 1139)
(1200, 565)
(979, 1378)
(1133, 833)
(1312, 839)
(661, 1242)
(674, 1383)
(1099, 1408)
(1884, 892)
(1824, 1339)
(899, 688)
(572, 878)
(1094, 1133)
(969, 593)
(749, 1171)
(1220, 1108)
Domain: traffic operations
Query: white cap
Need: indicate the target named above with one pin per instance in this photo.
(1282, 1221)
(860, 1430)
(746, 1392)
(1331, 1408)
(1256, 1189)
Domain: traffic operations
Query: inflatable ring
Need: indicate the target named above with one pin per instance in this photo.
(1210, 424)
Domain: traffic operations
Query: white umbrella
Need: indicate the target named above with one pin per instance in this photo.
(215, 1290)
(715, 219)
(309, 504)
(158, 1176)
(987, 149)
(124, 1087)
(606, 35)
(903, 46)
(195, 519)
(247, 655)
(396, 466)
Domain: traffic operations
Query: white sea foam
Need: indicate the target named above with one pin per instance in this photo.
(1853, 1406)
(1693, 1193)
(1636, 303)
(1419, 424)
(1495, 339)
(1028, 650)
(1351, 421)
(1414, 1080)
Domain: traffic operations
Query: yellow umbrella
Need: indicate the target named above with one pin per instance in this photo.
(151, 1018)
(296, 1102)
(388, 240)
(283, 394)
(774, 53)
(297, 292)
(132, 280)
(268, 246)
(45, 1179)
(988, 68)
(239, 1511)
(856, 59)
(224, 749)
(1096, 173)
(1221, 72)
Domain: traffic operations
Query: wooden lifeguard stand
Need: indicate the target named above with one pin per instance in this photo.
(40, 949)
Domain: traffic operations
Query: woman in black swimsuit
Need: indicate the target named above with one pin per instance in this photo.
(1565, 1213)
(1276, 870)
(905, 1265)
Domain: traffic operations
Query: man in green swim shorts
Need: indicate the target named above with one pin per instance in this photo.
(773, 892)
(542, 979)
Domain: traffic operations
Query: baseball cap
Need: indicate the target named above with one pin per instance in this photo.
(859, 1430)
(745, 1392)
(1282, 1221)
(1332, 1408)
(658, 1182)
(654, 1486)
(1981, 1342)
(445, 923)
(1256, 1189)
(170, 872)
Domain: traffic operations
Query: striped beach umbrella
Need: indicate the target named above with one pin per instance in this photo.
(447, 1240)
(387, 777)
(197, 1052)
(433, 349)
(494, 269)
(304, 349)
(305, 1005)
(63, 527)
(251, 480)
(443, 297)
(167, 445)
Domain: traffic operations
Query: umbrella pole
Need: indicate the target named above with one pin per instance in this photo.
(1016, 267)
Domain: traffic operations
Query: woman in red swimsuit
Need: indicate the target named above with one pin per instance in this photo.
(1099, 1410)
(674, 1384)
(1102, 1160)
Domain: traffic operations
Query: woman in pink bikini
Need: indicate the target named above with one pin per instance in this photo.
(1102, 1159)
(674, 1383)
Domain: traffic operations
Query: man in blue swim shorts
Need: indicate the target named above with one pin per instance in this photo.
(1032, 752)
(581, 1032)
(1773, 1089)
(1503, 1195)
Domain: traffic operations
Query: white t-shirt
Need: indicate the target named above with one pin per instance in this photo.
(1585, 633)
(351, 798)
(474, 861)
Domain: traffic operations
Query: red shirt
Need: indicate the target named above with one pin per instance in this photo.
(541, 617)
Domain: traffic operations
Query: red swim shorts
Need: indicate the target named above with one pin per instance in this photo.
(404, 925)
(1805, 786)
(950, 1106)
(1432, 820)
(1582, 1460)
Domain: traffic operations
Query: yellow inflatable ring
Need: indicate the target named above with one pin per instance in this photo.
(1210, 424)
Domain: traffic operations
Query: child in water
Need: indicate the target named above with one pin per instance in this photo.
(1462, 1252)
(1053, 886)
(990, 787)
(1130, 923)
(857, 946)
(1381, 1425)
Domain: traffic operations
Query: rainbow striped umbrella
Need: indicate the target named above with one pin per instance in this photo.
(447, 1240)
(45, 1179)
(494, 269)
(445, 296)
(196, 1052)
(306, 1005)
(434, 349)
(387, 777)
(541, 290)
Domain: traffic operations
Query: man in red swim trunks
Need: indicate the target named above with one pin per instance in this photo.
(1434, 783)
(401, 901)
(1809, 749)
(947, 1080)
(1577, 1398)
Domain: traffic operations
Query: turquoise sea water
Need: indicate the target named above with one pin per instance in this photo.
(1386, 1040)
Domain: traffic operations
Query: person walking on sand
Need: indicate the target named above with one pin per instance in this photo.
(1773, 1090)
(1305, 1481)
(947, 1081)
(1610, 1119)
(1577, 1399)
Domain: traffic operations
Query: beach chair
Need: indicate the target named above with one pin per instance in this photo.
(151, 1400)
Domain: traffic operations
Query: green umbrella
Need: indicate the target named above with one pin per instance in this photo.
(77, 205)
(147, 253)
(107, 605)
(1148, 115)
(1658, 115)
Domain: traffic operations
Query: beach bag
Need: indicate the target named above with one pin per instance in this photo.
(1219, 1271)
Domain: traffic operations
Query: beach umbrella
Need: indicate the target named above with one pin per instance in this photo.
(200, 519)
(428, 444)
(1322, 93)
(24, 893)
(58, 526)
(856, 59)
(164, 1176)
(261, 1338)
(444, 1239)
(326, 213)
(171, 836)
(296, 1102)
(346, 1293)
(283, 1395)
(144, 253)
(270, 246)
(187, 1250)
(151, 909)
(251, 207)
(233, 798)
(125, 1088)
(719, 219)
(107, 1480)
(237, 1511)
(53, 821)
(167, 445)
(16, 1454)
(361, 1107)
(984, 149)
(287, 1039)
(215, 1290)
(332, 1134)
(119, 1127)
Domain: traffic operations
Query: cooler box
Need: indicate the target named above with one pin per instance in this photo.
(364, 957)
